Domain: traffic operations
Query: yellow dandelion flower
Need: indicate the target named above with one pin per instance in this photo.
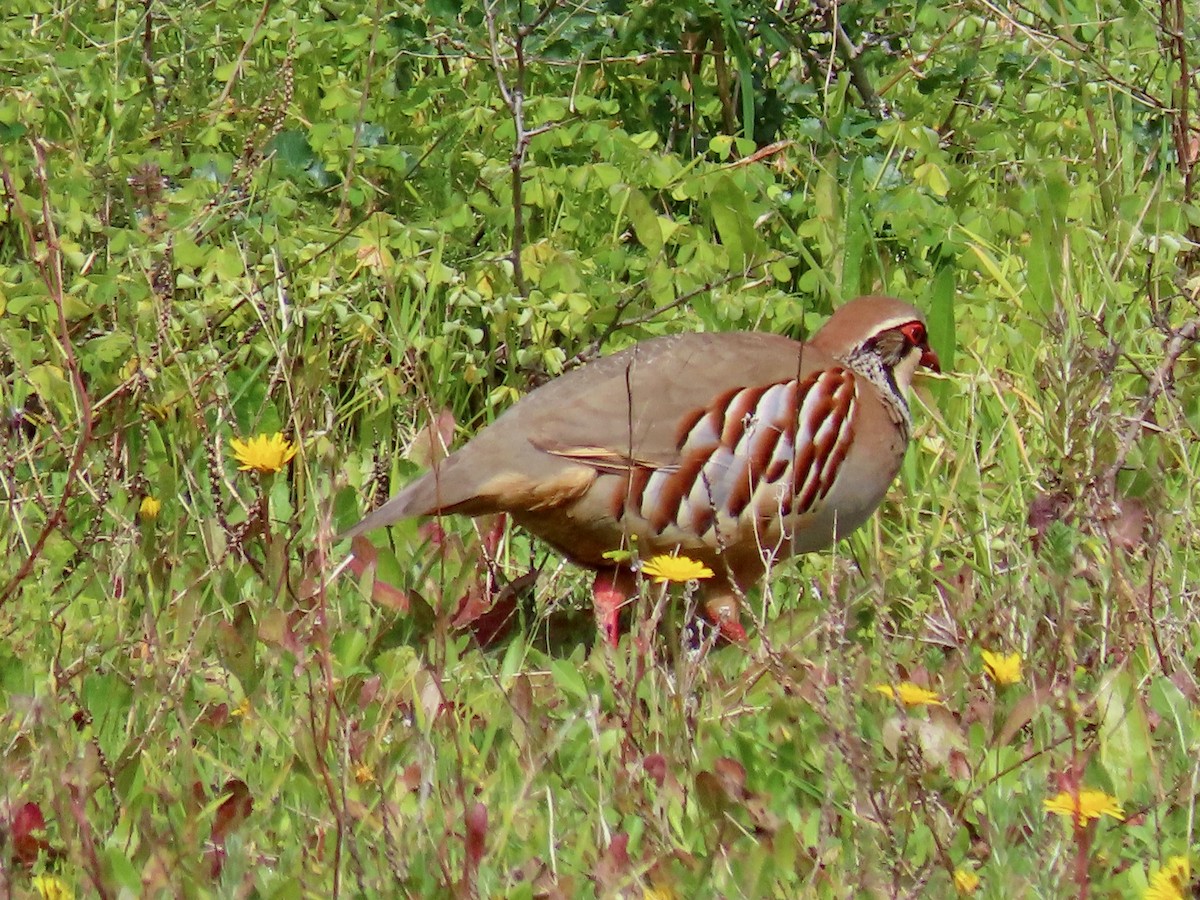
(1171, 882)
(1087, 805)
(242, 709)
(51, 887)
(656, 892)
(150, 508)
(966, 882)
(675, 568)
(1003, 668)
(262, 453)
(363, 774)
(910, 694)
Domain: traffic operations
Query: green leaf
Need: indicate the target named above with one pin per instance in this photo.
(731, 215)
(110, 347)
(1124, 730)
(931, 176)
(733, 37)
(11, 132)
(941, 316)
(721, 146)
(645, 222)
(857, 234)
(53, 387)
(292, 148)
(1174, 708)
(568, 678)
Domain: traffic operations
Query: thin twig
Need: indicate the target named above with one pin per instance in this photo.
(514, 98)
(49, 266)
(1181, 339)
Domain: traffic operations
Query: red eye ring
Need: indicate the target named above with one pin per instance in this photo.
(916, 333)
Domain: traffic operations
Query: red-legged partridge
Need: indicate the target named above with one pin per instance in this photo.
(734, 449)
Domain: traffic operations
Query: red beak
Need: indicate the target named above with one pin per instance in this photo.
(930, 360)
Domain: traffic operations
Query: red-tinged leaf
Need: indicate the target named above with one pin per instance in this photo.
(365, 557)
(28, 819)
(215, 715)
(369, 691)
(1045, 510)
(215, 856)
(308, 591)
(764, 820)
(655, 766)
(477, 824)
(618, 849)
(275, 630)
(433, 533)
(492, 537)
(233, 811)
(1185, 685)
(389, 595)
(613, 867)
(471, 605)
(520, 695)
(495, 622)
(28, 830)
(315, 846)
(711, 794)
(301, 625)
(1128, 528)
(733, 776)
(411, 777)
(959, 765)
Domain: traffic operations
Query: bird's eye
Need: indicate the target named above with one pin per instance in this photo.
(915, 332)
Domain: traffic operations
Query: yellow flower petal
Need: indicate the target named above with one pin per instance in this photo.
(966, 882)
(150, 508)
(1171, 882)
(263, 453)
(910, 694)
(1087, 805)
(51, 887)
(675, 568)
(1003, 668)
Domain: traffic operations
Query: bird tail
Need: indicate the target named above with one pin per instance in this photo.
(447, 488)
(412, 501)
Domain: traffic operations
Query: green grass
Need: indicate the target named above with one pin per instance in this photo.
(196, 704)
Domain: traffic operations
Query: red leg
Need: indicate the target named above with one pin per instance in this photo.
(612, 590)
(722, 610)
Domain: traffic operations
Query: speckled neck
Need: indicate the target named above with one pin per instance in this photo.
(866, 361)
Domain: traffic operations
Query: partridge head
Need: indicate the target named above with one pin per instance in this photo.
(735, 449)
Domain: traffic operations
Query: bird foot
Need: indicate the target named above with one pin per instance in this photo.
(723, 612)
(612, 591)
